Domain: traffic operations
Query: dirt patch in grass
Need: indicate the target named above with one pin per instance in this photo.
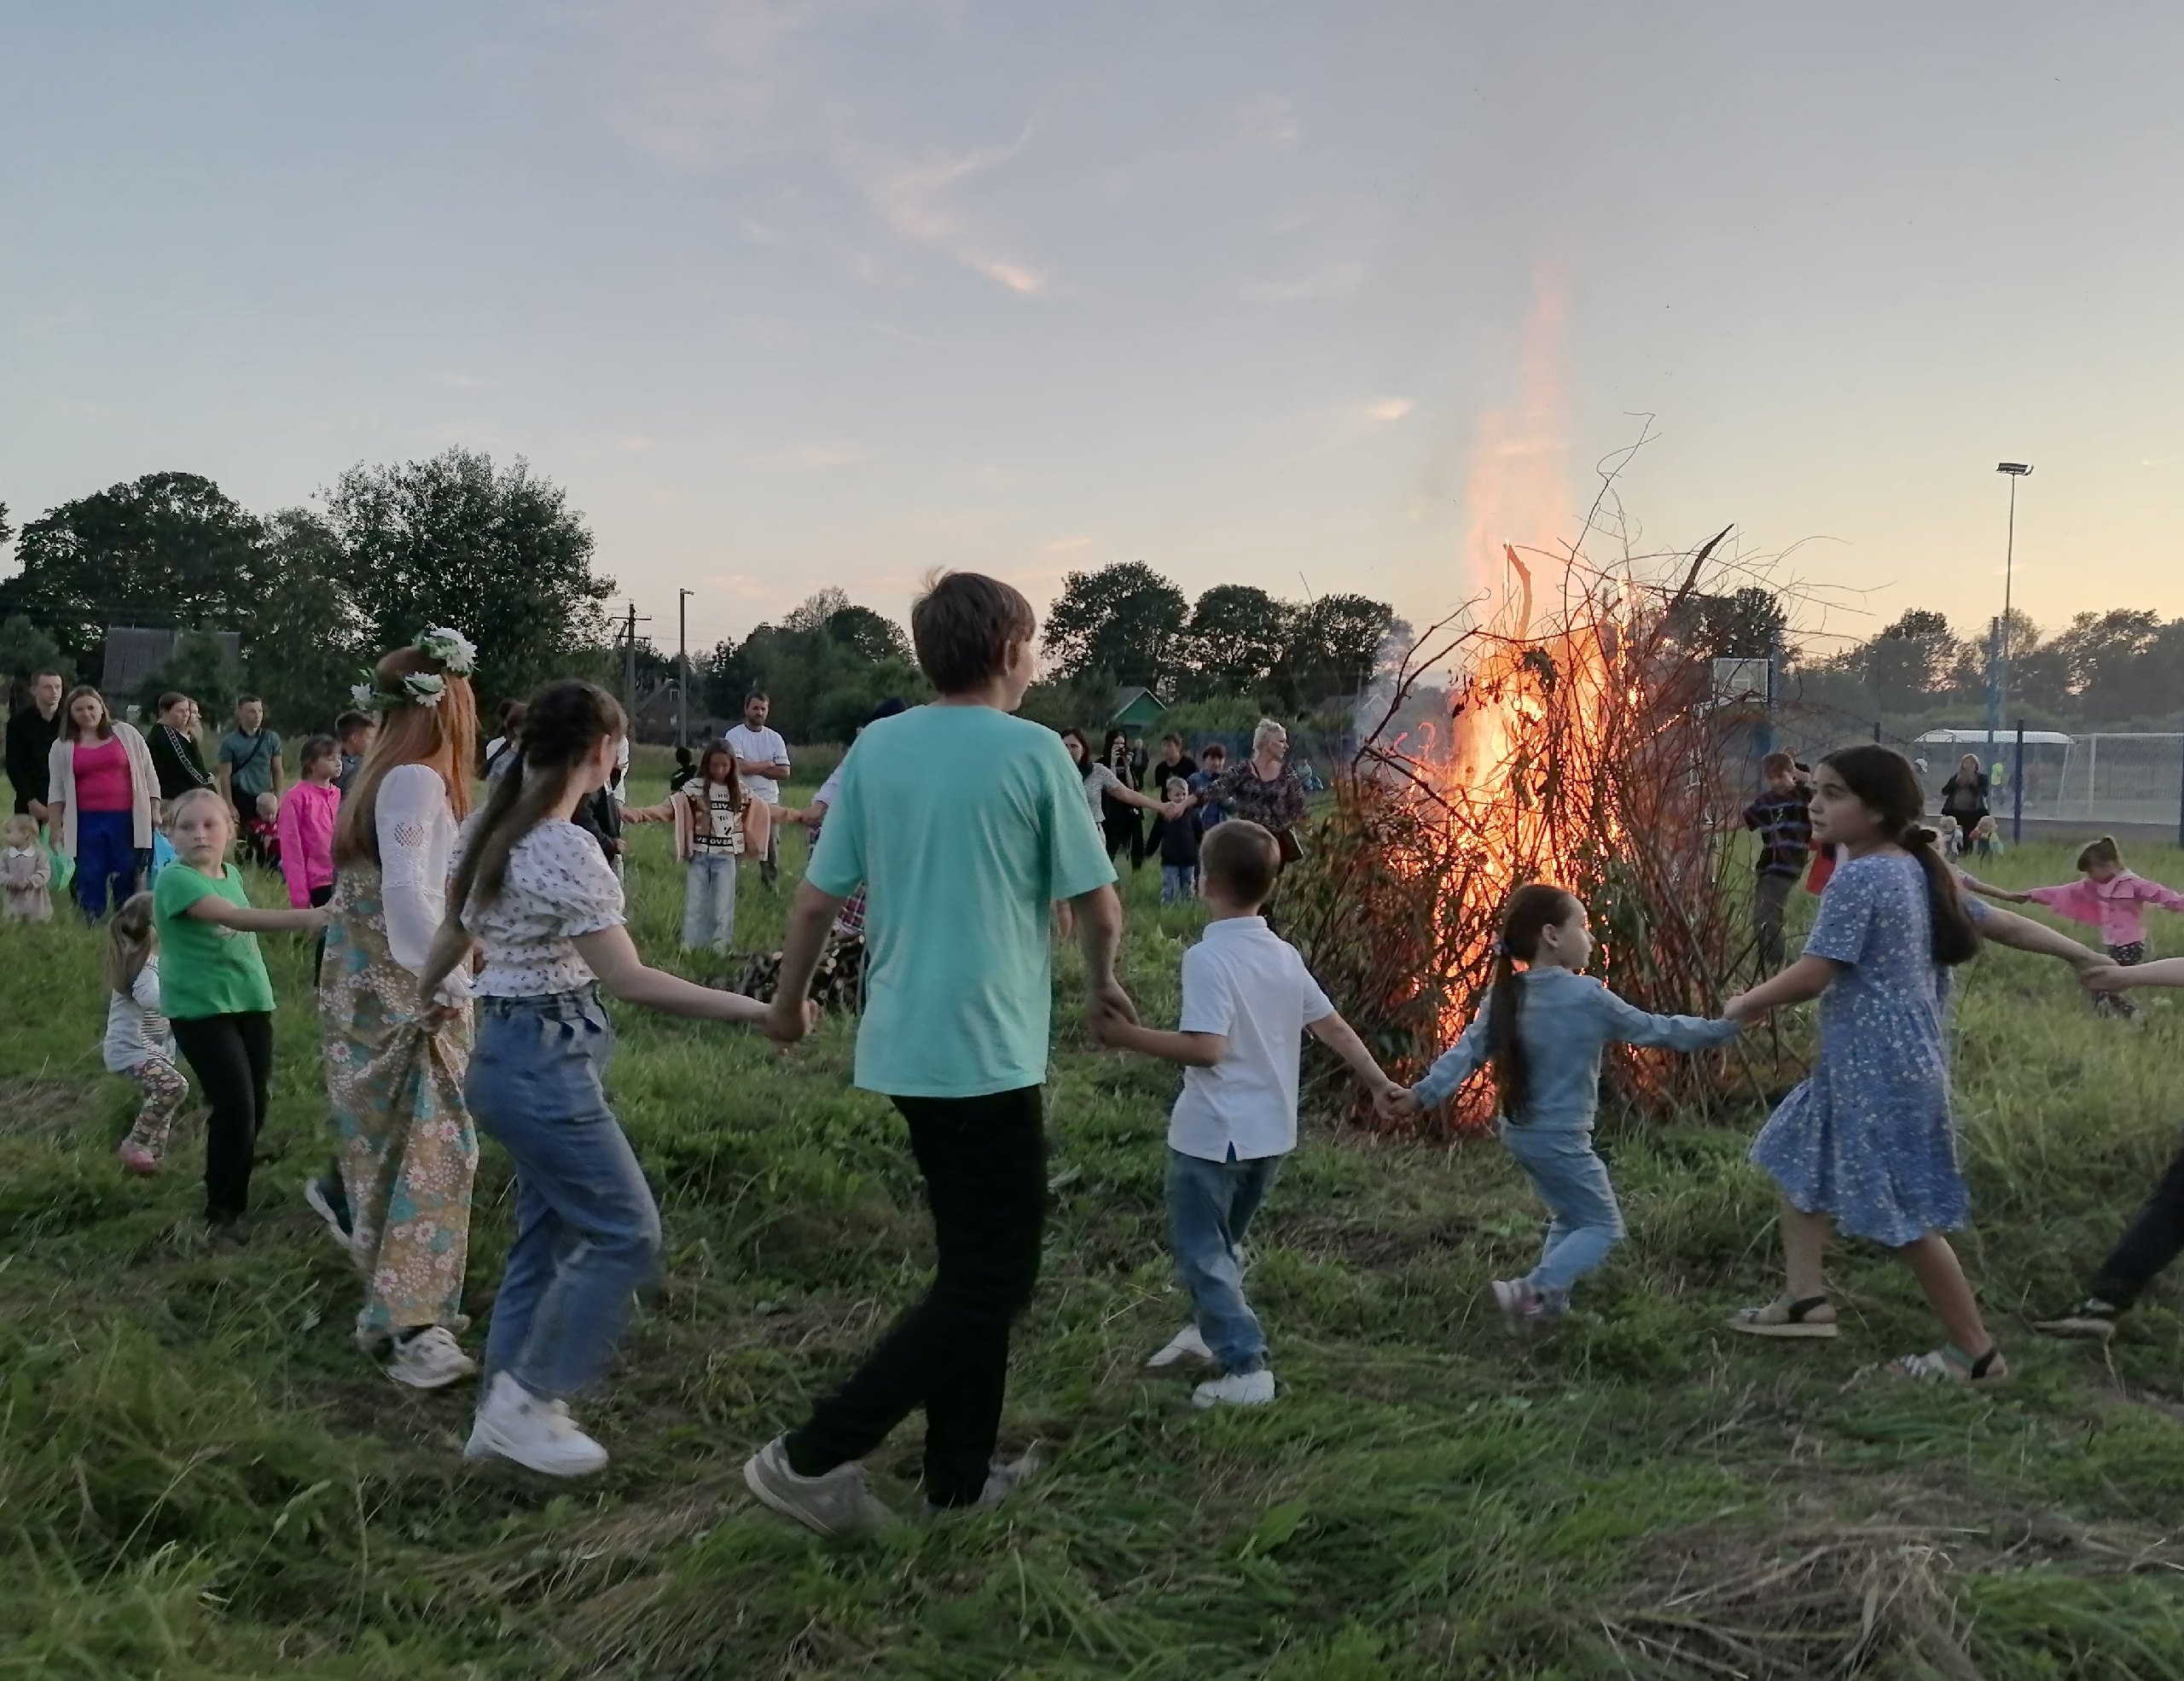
(51, 1110)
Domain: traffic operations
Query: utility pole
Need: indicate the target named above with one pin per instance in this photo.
(630, 666)
(682, 667)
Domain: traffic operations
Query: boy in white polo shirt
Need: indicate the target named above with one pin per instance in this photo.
(1248, 1001)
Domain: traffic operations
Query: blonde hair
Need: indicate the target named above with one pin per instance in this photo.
(189, 797)
(130, 938)
(1264, 732)
(22, 824)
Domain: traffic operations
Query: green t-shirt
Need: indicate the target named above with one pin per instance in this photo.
(206, 969)
(964, 825)
(251, 757)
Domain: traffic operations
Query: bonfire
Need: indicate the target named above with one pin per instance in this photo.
(1585, 746)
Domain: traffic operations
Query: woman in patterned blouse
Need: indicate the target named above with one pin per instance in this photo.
(1264, 788)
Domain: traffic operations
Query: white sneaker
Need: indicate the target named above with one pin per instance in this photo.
(431, 1359)
(515, 1424)
(1236, 1389)
(319, 1199)
(1186, 1345)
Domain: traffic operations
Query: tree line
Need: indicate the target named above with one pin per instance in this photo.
(2121, 669)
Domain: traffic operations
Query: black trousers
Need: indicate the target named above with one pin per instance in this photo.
(984, 1163)
(1125, 830)
(232, 1056)
(2155, 1239)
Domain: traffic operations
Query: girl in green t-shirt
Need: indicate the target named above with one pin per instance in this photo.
(216, 992)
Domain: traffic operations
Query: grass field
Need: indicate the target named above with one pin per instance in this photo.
(199, 1478)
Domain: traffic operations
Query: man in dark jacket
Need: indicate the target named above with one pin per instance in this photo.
(31, 731)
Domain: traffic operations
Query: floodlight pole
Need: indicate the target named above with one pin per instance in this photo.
(1998, 681)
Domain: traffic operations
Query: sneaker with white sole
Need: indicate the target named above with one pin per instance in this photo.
(2092, 1320)
(1235, 1389)
(515, 1424)
(431, 1359)
(1187, 1345)
(1004, 1478)
(836, 1503)
(331, 1204)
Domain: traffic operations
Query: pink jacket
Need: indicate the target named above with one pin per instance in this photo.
(306, 830)
(2113, 906)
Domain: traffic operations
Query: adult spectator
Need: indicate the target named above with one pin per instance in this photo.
(504, 749)
(354, 732)
(176, 760)
(102, 801)
(1122, 826)
(761, 762)
(1100, 782)
(1964, 795)
(250, 762)
(32, 728)
(1264, 788)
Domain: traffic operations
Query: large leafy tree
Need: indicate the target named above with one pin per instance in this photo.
(1333, 648)
(825, 666)
(1238, 635)
(308, 638)
(24, 649)
(1125, 619)
(496, 553)
(1909, 662)
(169, 548)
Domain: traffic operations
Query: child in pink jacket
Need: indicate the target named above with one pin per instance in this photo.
(2109, 898)
(306, 825)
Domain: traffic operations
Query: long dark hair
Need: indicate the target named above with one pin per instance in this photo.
(1085, 763)
(1532, 910)
(564, 725)
(703, 775)
(1884, 783)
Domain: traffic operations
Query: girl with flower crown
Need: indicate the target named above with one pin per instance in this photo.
(400, 1201)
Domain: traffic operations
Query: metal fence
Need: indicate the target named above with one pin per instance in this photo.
(2108, 779)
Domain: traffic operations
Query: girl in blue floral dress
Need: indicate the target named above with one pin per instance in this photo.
(1867, 1144)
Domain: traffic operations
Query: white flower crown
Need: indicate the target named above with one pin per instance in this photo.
(454, 650)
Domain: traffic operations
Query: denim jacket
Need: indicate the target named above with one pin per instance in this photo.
(1565, 1020)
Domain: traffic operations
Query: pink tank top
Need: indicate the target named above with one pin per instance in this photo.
(102, 776)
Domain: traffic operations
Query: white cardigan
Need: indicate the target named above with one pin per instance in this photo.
(143, 784)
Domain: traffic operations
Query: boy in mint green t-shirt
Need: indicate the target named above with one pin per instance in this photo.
(964, 825)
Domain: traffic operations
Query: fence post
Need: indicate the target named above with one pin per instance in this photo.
(1876, 730)
(2180, 806)
(2017, 789)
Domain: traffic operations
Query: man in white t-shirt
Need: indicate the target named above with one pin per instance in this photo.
(762, 764)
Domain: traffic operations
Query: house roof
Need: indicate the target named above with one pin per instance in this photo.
(1127, 698)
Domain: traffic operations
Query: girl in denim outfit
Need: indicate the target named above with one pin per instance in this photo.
(534, 894)
(1542, 1030)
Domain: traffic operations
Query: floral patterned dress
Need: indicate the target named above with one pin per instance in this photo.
(409, 1151)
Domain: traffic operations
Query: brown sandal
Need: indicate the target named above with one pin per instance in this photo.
(1784, 1317)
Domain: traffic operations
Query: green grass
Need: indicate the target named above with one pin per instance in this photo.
(199, 1478)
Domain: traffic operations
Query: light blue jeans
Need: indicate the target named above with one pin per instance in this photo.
(1572, 1180)
(709, 902)
(1210, 1207)
(587, 1228)
(1178, 883)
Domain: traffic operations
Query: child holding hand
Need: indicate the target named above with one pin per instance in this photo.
(304, 824)
(2108, 897)
(1542, 1030)
(138, 1041)
(1248, 1000)
(216, 992)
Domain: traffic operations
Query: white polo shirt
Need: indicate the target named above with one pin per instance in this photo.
(760, 746)
(1244, 981)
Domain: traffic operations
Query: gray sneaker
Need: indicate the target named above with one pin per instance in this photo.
(1004, 1478)
(837, 1505)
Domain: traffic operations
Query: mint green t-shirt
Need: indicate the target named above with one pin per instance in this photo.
(206, 969)
(964, 825)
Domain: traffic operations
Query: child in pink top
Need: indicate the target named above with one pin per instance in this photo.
(2109, 898)
(306, 825)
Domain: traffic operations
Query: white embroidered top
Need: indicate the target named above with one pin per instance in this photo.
(416, 850)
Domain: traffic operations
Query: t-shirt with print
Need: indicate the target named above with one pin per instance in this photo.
(960, 875)
(206, 968)
(717, 826)
(1245, 982)
(757, 747)
(251, 757)
(558, 887)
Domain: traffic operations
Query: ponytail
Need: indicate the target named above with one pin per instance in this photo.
(1882, 780)
(128, 942)
(1532, 910)
(564, 725)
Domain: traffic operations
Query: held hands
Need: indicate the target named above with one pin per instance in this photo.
(785, 1023)
(1395, 1101)
(2105, 977)
(1741, 1010)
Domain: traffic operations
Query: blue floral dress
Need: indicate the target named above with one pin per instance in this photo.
(1867, 1138)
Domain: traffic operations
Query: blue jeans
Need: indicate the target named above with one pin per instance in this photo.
(1210, 1207)
(1572, 1180)
(587, 1228)
(709, 902)
(106, 860)
(1178, 881)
